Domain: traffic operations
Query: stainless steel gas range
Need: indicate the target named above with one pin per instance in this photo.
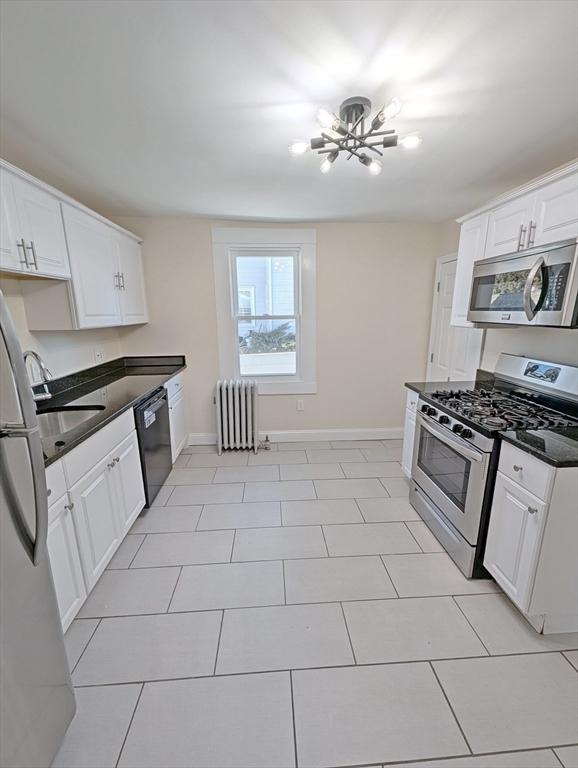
(457, 446)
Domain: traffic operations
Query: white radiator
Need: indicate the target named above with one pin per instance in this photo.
(236, 404)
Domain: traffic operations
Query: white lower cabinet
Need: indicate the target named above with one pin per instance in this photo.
(127, 477)
(532, 544)
(178, 424)
(514, 537)
(100, 493)
(65, 560)
(95, 520)
(409, 432)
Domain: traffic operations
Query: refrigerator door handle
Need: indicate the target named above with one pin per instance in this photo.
(35, 546)
(22, 384)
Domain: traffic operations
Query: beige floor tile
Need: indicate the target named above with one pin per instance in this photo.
(185, 495)
(283, 637)
(397, 487)
(382, 454)
(349, 489)
(277, 457)
(249, 514)
(371, 714)
(368, 539)
(131, 591)
(427, 575)
(373, 469)
(329, 579)
(229, 585)
(424, 537)
(164, 549)
(503, 629)
(538, 758)
(319, 512)
(194, 476)
(415, 629)
(76, 638)
(568, 756)
(279, 543)
(572, 657)
(246, 474)
(501, 701)
(228, 459)
(311, 472)
(167, 519)
(331, 456)
(162, 496)
(287, 490)
(387, 510)
(128, 548)
(243, 721)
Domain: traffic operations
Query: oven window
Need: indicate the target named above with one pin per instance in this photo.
(447, 468)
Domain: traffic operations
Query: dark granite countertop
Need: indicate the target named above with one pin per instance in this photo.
(112, 387)
(557, 446)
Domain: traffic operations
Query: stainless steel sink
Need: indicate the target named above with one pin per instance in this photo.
(59, 421)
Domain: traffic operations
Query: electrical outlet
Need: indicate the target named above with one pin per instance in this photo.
(300, 405)
(98, 356)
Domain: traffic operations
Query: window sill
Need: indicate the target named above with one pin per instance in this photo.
(287, 387)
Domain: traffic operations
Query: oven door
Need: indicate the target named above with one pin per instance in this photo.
(453, 473)
(537, 287)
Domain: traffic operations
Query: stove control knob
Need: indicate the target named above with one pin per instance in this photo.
(444, 419)
(432, 412)
(466, 433)
(425, 408)
(457, 427)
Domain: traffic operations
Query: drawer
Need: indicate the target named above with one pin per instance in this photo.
(83, 458)
(531, 473)
(56, 507)
(55, 481)
(412, 398)
(174, 385)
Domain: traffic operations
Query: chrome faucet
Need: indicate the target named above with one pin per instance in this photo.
(44, 372)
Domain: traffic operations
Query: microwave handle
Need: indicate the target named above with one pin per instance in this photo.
(528, 309)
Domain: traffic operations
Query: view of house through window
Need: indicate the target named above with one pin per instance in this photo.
(266, 310)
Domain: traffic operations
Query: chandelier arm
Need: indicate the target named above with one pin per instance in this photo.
(342, 147)
(354, 126)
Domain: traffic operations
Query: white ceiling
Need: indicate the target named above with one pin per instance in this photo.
(182, 107)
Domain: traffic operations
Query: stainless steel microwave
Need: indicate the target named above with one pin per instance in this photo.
(534, 287)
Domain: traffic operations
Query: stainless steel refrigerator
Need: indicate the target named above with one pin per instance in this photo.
(36, 696)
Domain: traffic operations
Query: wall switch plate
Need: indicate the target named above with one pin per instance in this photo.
(300, 405)
(98, 356)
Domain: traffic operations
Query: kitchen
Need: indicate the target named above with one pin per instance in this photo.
(225, 542)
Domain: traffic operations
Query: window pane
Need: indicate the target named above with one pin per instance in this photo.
(270, 280)
(267, 347)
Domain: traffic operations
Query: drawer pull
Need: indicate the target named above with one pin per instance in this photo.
(70, 506)
(532, 510)
(116, 460)
(110, 465)
(517, 468)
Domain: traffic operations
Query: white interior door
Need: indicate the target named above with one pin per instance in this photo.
(454, 352)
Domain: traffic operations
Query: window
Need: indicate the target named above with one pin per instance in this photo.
(265, 290)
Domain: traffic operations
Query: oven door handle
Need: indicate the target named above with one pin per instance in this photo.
(459, 445)
(528, 308)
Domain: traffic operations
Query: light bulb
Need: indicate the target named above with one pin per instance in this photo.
(392, 109)
(411, 141)
(299, 147)
(374, 167)
(325, 118)
(325, 166)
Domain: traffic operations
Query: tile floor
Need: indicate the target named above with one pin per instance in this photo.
(290, 610)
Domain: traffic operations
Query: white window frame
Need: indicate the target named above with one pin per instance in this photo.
(229, 241)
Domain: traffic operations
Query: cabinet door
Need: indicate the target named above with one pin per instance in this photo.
(127, 475)
(95, 520)
(556, 212)
(509, 226)
(65, 561)
(472, 244)
(40, 220)
(178, 422)
(94, 265)
(517, 521)
(12, 255)
(132, 294)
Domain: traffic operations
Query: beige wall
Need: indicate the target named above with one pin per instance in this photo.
(551, 344)
(374, 292)
(65, 351)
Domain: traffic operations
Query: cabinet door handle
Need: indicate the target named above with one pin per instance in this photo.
(531, 234)
(116, 279)
(532, 510)
(523, 231)
(22, 245)
(110, 465)
(116, 460)
(70, 506)
(517, 468)
(121, 277)
(32, 249)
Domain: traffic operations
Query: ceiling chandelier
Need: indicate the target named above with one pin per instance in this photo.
(352, 136)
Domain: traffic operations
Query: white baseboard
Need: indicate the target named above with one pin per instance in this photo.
(310, 435)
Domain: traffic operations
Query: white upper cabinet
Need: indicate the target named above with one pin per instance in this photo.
(472, 244)
(556, 212)
(33, 233)
(509, 226)
(95, 273)
(131, 278)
